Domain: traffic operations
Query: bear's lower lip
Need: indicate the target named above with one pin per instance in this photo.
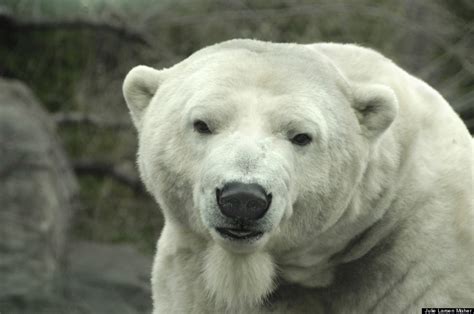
(239, 234)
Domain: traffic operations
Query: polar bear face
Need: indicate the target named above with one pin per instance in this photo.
(254, 147)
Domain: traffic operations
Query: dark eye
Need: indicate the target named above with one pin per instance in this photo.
(201, 127)
(301, 139)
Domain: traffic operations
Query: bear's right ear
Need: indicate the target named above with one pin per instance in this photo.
(376, 107)
(139, 86)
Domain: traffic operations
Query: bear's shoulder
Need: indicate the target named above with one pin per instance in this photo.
(361, 64)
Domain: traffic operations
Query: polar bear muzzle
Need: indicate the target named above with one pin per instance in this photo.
(243, 202)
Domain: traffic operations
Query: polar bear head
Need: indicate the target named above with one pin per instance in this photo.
(254, 146)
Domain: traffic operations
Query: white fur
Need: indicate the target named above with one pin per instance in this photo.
(374, 215)
(248, 282)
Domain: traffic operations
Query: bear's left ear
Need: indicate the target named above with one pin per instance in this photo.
(376, 107)
(139, 86)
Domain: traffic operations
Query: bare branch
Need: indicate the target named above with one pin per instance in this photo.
(321, 9)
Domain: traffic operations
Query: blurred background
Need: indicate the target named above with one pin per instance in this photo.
(77, 228)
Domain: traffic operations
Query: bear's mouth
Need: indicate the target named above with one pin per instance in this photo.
(239, 234)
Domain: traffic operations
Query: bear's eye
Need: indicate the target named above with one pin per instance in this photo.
(301, 139)
(201, 127)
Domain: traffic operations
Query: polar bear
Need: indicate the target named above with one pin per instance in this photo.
(296, 178)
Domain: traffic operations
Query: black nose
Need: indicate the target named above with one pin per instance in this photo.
(243, 201)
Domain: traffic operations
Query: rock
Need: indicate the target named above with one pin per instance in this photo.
(41, 269)
(38, 191)
(105, 278)
(101, 278)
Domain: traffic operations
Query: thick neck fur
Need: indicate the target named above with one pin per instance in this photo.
(368, 219)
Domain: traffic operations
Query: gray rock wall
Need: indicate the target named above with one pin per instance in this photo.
(41, 269)
(37, 197)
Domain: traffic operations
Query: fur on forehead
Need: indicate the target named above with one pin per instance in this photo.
(375, 106)
(237, 57)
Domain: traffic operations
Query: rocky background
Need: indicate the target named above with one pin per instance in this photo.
(77, 229)
(43, 268)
